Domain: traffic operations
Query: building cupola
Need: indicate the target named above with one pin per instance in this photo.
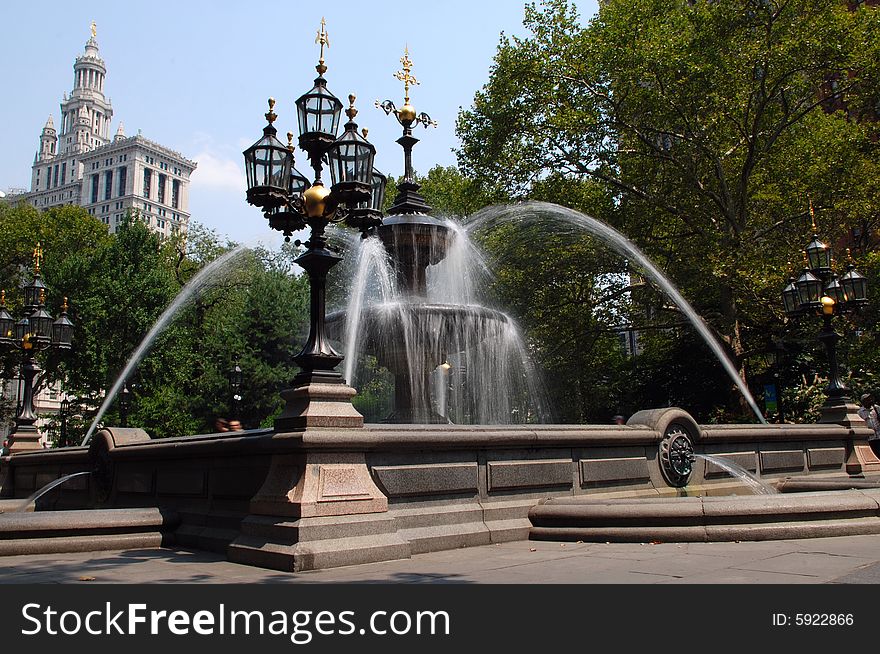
(48, 142)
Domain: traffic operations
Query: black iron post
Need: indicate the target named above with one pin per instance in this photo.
(29, 370)
(836, 389)
(124, 405)
(63, 413)
(235, 380)
(318, 359)
(779, 351)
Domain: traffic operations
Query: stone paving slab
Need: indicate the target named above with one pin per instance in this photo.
(816, 565)
(851, 559)
(749, 577)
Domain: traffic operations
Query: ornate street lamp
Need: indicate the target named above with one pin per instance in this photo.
(819, 291)
(236, 377)
(124, 405)
(33, 333)
(290, 203)
(63, 414)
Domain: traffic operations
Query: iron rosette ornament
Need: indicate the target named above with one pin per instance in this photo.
(677, 456)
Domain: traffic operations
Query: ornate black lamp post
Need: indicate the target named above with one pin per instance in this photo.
(820, 291)
(63, 414)
(320, 396)
(35, 332)
(236, 377)
(408, 200)
(124, 405)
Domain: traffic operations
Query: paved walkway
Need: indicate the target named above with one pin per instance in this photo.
(848, 559)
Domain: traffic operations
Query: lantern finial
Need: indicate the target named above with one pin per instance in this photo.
(352, 111)
(271, 115)
(323, 40)
(405, 75)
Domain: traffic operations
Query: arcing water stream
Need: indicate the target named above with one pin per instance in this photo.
(203, 279)
(619, 243)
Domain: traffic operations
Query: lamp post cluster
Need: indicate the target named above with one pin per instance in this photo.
(290, 203)
(819, 290)
(35, 332)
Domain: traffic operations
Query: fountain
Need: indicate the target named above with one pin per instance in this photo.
(453, 358)
(449, 468)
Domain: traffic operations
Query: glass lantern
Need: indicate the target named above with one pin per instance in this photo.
(62, 329)
(790, 299)
(819, 256)
(855, 285)
(7, 323)
(318, 113)
(809, 288)
(351, 163)
(267, 164)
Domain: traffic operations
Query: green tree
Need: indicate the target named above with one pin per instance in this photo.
(709, 122)
(65, 233)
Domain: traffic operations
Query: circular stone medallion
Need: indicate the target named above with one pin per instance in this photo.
(676, 456)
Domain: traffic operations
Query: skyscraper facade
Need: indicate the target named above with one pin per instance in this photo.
(79, 163)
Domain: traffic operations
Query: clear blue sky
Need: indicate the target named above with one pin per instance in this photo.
(195, 75)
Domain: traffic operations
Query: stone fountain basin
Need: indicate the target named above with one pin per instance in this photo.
(436, 329)
(708, 519)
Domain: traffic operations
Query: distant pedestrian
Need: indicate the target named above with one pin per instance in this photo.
(234, 425)
(222, 424)
(619, 420)
(870, 413)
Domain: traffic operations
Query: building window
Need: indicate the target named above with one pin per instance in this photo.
(55, 177)
(64, 173)
(161, 189)
(123, 180)
(175, 194)
(147, 179)
(94, 188)
(108, 184)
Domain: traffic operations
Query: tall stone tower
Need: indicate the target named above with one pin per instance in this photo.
(113, 179)
(86, 113)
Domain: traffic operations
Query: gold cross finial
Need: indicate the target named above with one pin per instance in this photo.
(94, 30)
(405, 75)
(324, 40)
(38, 256)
